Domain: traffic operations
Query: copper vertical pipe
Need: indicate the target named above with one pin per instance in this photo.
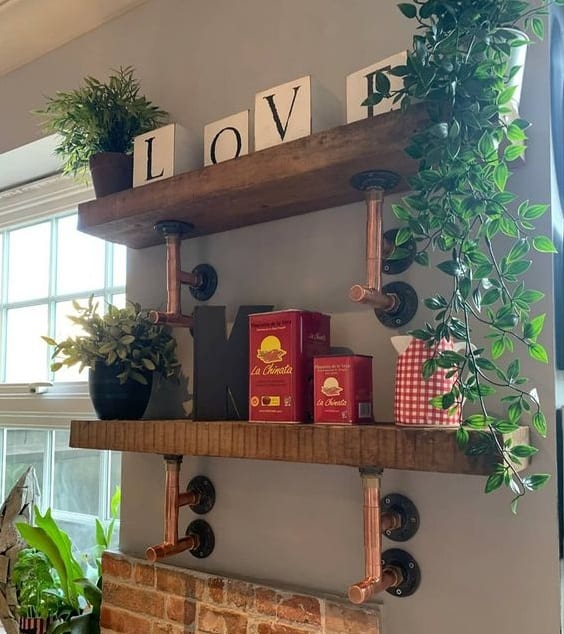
(173, 501)
(376, 578)
(172, 273)
(374, 201)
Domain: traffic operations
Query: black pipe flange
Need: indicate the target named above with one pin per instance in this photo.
(409, 568)
(206, 539)
(407, 512)
(393, 266)
(204, 488)
(406, 305)
(375, 179)
(173, 228)
(208, 284)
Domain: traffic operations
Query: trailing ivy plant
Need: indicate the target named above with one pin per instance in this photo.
(460, 206)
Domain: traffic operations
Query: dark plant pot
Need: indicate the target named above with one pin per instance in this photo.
(33, 625)
(112, 400)
(111, 172)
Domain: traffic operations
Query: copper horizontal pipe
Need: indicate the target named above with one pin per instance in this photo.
(189, 278)
(390, 521)
(377, 299)
(189, 497)
(172, 319)
(367, 588)
(154, 553)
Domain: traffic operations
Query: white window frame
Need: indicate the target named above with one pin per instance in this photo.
(41, 406)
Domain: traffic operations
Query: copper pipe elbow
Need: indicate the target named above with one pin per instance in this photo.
(363, 590)
(364, 295)
(164, 549)
(171, 319)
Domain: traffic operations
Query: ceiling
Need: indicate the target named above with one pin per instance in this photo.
(31, 28)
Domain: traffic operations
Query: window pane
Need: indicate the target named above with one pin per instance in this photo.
(77, 477)
(115, 472)
(120, 259)
(119, 300)
(28, 262)
(26, 448)
(26, 352)
(80, 259)
(64, 328)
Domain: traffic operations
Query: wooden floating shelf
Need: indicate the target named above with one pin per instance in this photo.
(294, 178)
(382, 445)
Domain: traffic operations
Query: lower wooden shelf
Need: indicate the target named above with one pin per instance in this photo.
(381, 445)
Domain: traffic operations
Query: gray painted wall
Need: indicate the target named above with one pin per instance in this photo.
(483, 570)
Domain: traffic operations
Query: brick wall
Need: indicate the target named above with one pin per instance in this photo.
(143, 598)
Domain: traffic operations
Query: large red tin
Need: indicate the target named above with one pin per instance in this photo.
(342, 389)
(282, 346)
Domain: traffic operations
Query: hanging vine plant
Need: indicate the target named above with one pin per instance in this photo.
(460, 206)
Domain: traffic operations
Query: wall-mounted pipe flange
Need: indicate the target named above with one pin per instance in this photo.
(404, 308)
(405, 509)
(204, 490)
(174, 228)
(202, 534)
(208, 282)
(409, 570)
(394, 266)
(375, 179)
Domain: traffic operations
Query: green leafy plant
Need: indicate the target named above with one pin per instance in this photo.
(99, 117)
(460, 206)
(53, 580)
(122, 337)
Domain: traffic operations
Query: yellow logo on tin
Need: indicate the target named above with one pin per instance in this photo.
(270, 350)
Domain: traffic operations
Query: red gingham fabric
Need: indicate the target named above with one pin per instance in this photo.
(412, 392)
(32, 624)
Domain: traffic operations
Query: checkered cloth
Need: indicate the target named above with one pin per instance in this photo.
(412, 392)
(31, 624)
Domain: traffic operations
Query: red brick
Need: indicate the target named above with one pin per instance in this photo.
(123, 622)
(266, 601)
(139, 600)
(239, 594)
(116, 566)
(175, 582)
(160, 627)
(218, 621)
(180, 609)
(216, 589)
(276, 628)
(144, 574)
(300, 609)
(345, 619)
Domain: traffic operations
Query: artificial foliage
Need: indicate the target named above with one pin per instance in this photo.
(122, 337)
(461, 207)
(99, 117)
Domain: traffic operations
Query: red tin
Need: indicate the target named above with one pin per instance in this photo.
(342, 389)
(282, 347)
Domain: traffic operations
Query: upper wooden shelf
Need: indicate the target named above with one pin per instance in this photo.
(294, 178)
(382, 445)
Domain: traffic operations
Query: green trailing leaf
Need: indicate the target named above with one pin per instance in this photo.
(538, 352)
(494, 481)
(536, 481)
(407, 9)
(543, 244)
(539, 423)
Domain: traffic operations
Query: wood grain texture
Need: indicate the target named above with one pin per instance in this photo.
(294, 178)
(382, 445)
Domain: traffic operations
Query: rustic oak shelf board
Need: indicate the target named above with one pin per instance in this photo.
(305, 175)
(383, 445)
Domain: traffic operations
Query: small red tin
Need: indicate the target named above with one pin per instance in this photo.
(282, 347)
(342, 389)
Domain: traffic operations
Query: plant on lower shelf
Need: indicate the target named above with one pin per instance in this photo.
(54, 581)
(460, 206)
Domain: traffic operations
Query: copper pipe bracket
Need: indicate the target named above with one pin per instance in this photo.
(394, 304)
(406, 513)
(408, 569)
(202, 280)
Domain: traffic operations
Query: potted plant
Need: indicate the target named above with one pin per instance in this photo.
(459, 207)
(123, 350)
(97, 123)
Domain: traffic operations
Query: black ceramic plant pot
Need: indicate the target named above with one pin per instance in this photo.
(113, 400)
(111, 172)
